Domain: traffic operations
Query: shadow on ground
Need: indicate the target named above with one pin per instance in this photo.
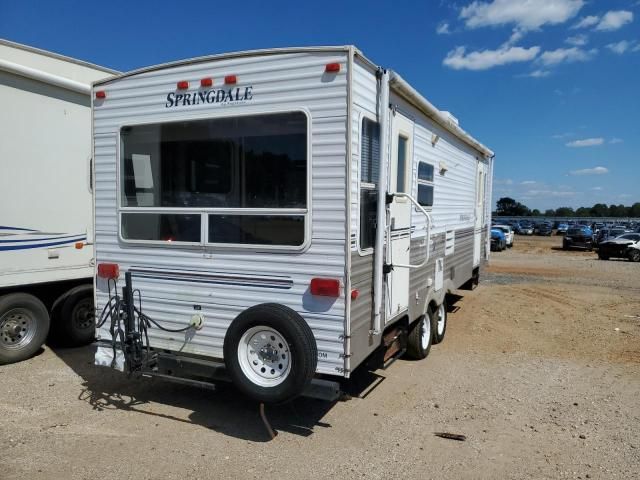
(224, 409)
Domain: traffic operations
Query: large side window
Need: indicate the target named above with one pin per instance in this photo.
(218, 171)
(425, 184)
(369, 177)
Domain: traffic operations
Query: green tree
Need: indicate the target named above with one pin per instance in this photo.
(550, 212)
(535, 212)
(600, 210)
(634, 210)
(509, 207)
(583, 212)
(617, 210)
(565, 212)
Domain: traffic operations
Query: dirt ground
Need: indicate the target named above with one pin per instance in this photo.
(540, 369)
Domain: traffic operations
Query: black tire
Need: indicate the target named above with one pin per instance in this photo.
(24, 325)
(602, 256)
(300, 347)
(416, 348)
(440, 327)
(634, 255)
(76, 325)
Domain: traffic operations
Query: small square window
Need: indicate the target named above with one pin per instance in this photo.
(425, 195)
(425, 172)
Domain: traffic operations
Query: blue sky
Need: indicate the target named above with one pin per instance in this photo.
(551, 85)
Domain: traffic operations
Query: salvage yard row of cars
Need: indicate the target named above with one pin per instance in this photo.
(610, 241)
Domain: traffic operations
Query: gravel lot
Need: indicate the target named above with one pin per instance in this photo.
(540, 370)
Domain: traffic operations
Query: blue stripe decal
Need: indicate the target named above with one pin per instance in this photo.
(42, 239)
(2, 227)
(40, 245)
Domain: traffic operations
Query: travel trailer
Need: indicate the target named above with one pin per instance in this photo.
(284, 216)
(46, 220)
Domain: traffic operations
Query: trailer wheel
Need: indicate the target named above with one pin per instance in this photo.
(77, 324)
(634, 255)
(24, 325)
(440, 323)
(270, 353)
(420, 337)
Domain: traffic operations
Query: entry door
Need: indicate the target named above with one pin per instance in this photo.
(480, 216)
(399, 215)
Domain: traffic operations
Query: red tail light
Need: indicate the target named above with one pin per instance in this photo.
(355, 293)
(108, 270)
(332, 68)
(325, 287)
(230, 79)
(183, 85)
(206, 82)
(100, 94)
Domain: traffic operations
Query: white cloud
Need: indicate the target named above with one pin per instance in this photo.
(538, 74)
(614, 20)
(587, 142)
(620, 47)
(530, 194)
(562, 135)
(636, 48)
(524, 14)
(615, 140)
(528, 182)
(577, 40)
(597, 189)
(560, 55)
(586, 22)
(590, 171)
(443, 29)
(502, 181)
(459, 59)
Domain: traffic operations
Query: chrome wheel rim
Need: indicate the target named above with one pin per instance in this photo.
(264, 356)
(425, 329)
(442, 319)
(17, 328)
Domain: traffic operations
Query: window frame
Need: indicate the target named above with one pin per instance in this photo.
(426, 183)
(206, 211)
(364, 185)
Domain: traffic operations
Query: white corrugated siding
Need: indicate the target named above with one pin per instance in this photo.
(282, 81)
(454, 192)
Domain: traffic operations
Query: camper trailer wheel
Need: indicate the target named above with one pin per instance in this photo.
(270, 353)
(420, 338)
(24, 325)
(76, 325)
(441, 323)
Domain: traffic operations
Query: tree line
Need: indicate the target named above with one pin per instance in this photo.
(507, 206)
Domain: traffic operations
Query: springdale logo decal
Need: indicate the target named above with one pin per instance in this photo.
(224, 96)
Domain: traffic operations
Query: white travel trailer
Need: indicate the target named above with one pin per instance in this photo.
(46, 270)
(287, 214)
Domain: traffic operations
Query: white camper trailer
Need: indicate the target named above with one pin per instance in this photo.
(46, 270)
(287, 214)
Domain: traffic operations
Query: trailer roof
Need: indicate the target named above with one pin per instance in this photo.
(57, 56)
(399, 85)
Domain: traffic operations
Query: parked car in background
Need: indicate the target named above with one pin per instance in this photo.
(508, 234)
(498, 240)
(624, 246)
(544, 229)
(578, 237)
(527, 230)
(562, 228)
